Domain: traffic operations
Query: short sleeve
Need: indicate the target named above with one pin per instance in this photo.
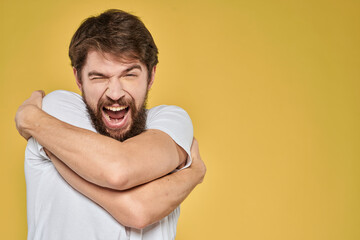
(175, 122)
(68, 107)
(65, 106)
(35, 155)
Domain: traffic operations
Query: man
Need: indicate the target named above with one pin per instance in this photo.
(114, 60)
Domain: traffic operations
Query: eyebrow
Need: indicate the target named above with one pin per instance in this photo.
(95, 73)
(99, 74)
(135, 66)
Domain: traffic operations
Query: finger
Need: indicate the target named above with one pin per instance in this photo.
(194, 143)
(42, 93)
(36, 98)
(194, 150)
(38, 93)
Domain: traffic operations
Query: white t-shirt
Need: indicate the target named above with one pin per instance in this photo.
(55, 211)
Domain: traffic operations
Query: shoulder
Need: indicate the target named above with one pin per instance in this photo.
(167, 113)
(175, 122)
(68, 107)
(60, 99)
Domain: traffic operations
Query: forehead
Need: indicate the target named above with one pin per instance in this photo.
(108, 62)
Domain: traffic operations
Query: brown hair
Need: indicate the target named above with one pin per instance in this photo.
(115, 32)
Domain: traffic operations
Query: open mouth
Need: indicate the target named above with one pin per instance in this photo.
(115, 116)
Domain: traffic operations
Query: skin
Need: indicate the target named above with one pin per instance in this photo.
(108, 163)
(100, 172)
(104, 77)
(146, 204)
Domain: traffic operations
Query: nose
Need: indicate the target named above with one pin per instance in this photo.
(115, 89)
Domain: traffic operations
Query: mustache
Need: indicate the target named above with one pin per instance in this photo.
(138, 116)
(121, 101)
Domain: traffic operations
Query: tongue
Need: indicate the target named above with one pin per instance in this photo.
(116, 114)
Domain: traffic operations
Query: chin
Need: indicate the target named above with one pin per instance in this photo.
(119, 135)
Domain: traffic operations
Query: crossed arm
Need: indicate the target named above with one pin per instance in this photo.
(136, 207)
(142, 205)
(100, 159)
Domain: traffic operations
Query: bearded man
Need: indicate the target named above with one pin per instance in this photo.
(124, 183)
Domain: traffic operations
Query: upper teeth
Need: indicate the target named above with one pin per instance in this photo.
(115, 108)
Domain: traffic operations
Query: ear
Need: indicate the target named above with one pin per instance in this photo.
(78, 81)
(153, 71)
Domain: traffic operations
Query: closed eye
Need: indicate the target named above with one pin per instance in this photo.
(130, 75)
(94, 75)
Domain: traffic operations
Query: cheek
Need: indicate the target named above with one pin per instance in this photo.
(92, 95)
(139, 95)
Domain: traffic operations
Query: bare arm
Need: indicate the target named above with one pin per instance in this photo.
(143, 205)
(100, 159)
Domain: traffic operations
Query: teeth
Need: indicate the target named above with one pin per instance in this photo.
(115, 109)
(107, 116)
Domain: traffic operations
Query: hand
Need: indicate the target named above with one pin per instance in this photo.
(26, 111)
(197, 162)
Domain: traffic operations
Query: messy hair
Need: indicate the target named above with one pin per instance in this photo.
(116, 32)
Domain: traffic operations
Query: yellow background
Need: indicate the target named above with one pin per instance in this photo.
(273, 91)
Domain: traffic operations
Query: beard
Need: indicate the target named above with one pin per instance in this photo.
(137, 123)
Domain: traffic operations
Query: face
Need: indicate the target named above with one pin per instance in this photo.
(115, 93)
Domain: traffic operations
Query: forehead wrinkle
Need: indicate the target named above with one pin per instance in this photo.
(107, 75)
(109, 65)
(118, 58)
